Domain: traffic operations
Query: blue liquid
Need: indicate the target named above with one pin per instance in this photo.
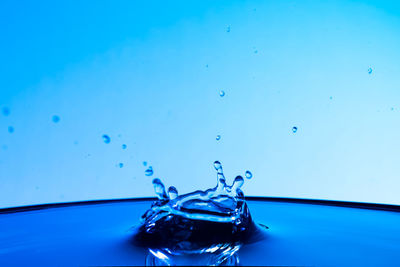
(215, 222)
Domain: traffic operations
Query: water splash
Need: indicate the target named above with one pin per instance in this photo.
(215, 222)
(106, 139)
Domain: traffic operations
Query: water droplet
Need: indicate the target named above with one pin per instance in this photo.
(217, 165)
(106, 139)
(11, 129)
(144, 163)
(369, 70)
(121, 165)
(159, 188)
(218, 137)
(330, 98)
(228, 29)
(149, 171)
(207, 66)
(248, 175)
(56, 118)
(124, 146)
(294, 129)
(221, 93)
(172, 192)
(237, 183)
(6, 111)
(255, 51)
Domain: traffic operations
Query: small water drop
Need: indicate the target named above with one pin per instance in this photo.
(207, 66)
(159, 188)
(124, 146)
(228, 29)
(218, 165)
(218, 137)
(172, 192)
(55, 118)
(149, 171)
(6, 111)
(294, 129)
(237, 183)
(106, 139)
(121, 165)
(330, 98)
(255, 51)
(144, 163)
(11, 129)
(248, 175)
(369, 70)
(221, 93)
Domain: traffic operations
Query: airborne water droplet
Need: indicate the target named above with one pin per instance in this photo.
(228, 29)
(10, 129)
(144, 163)
(221, 93)
(218, 137)
(149, 171)
(124, 146)
(106, 139)
(248, 175)
(56, 118)
(369, 70)
(121, 165)
(294, 129)
(6, 111)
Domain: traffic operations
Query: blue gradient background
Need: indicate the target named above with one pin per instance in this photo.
(137, 71)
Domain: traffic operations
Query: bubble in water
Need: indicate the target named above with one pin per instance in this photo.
(369, 70)
(124, 146)
(218, 137)
(56, 118)
(221, 93)
(11, 129)
(106, 139)
(294, 129)
(6, 111)
(248, 175)
(228, 29)
(149, 171)
(121, 165)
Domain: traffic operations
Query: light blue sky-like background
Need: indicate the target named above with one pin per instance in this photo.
(148, 74)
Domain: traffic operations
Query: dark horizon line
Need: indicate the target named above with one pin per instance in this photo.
(339, 203)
